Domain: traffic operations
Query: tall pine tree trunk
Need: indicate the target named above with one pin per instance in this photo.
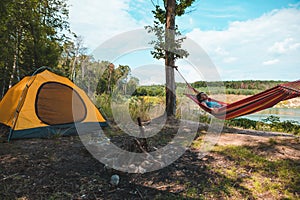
(170, 58)
(15, 67)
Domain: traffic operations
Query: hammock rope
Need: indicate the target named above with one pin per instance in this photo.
(263, 100)
(186, 82)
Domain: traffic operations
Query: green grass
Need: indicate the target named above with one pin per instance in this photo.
(192, 192)
(145, 107)
(258, 173)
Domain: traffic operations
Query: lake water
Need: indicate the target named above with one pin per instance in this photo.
(283, 113)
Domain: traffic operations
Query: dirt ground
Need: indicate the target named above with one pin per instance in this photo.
(62, 168)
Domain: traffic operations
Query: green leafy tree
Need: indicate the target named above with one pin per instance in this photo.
(73, 58)
(113, 77)
(131, 86)
(87, 76)
(168, 43)
(30, 37)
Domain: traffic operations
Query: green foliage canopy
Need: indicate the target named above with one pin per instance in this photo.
(31, 36)
(161, 45)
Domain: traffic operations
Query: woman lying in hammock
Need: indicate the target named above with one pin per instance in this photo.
(203, 98)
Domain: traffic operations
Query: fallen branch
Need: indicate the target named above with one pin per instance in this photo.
(140, 194)
(10, 176)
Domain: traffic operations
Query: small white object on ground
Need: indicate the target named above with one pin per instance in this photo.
(114, 180)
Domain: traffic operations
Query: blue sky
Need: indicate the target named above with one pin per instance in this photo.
(243, 39)
(217, 14)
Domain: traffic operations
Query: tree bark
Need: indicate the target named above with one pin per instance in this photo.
(170, 58)
(15, 70)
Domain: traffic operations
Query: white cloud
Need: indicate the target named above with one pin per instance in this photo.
(100, 20)
(191, 21)
(221, 51)
(270, 62)
(285, 46)
(230, 59)
(246, 47)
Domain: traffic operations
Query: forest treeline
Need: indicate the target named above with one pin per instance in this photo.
(33, 33)
(244, 87)
(242, 84)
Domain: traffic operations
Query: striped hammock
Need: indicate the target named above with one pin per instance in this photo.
(255, 103)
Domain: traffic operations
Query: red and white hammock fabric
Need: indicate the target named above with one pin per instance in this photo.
(255, 103)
